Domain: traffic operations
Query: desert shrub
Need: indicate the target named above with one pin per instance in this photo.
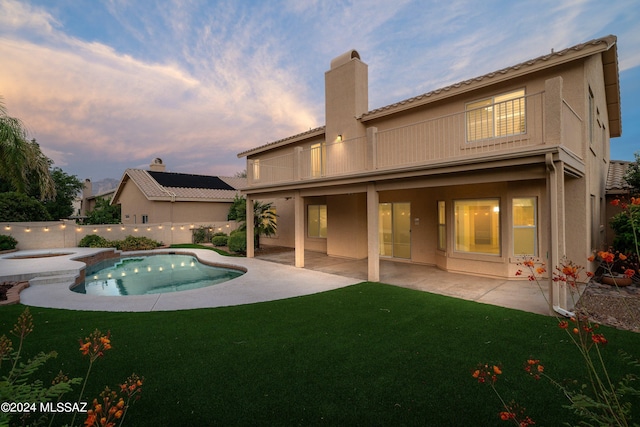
(132, 243)
(220, 240)
(94, 241)
(201, 234)
(7, 242)
(238, 241)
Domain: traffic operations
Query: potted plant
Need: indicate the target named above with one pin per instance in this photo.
(617, 268)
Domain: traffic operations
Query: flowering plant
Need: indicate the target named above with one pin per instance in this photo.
(603, 401)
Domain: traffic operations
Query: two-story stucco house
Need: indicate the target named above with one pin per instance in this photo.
(470, 178)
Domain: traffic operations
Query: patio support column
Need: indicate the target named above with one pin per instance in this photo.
(299, 229)
(373, 244)
(250, 229)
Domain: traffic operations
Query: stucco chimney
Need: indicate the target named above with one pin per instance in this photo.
(157, 165)
(346, 96)
(87, 189)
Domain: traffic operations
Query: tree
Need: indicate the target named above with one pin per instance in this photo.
(67, 188)
(632, 175)
(104, 213)
(21, 160)
(20, 207)
(264, 217)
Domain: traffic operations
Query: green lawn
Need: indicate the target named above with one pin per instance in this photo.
(369, 354)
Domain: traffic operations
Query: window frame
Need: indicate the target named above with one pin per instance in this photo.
(498, 238)
(442, 225)
(318, 230)
(535, 227)
(494, 110)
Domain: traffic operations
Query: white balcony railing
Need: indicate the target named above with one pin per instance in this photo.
(429, 142)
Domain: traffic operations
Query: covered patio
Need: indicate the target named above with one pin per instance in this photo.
(517, 294)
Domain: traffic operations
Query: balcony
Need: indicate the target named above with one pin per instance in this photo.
(492, 130)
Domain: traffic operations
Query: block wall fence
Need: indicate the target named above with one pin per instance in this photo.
(67, 234)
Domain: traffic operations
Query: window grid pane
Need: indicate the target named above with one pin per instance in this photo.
(525, 228)
(477, 226)
(499, 116)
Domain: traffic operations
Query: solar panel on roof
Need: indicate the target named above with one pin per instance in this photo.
(184, 180)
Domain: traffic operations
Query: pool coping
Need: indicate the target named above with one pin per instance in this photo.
(50, 279)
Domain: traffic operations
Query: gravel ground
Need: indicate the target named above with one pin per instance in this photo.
(611, 306)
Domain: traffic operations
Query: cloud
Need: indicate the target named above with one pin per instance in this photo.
(226, 97)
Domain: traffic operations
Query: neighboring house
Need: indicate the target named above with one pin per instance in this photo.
(616, 188)
(156, 196)
(472, 178)
(86, 201)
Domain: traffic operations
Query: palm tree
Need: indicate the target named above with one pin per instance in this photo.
(21, 161)
(264, 218)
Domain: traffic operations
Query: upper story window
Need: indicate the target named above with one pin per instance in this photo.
(497, 116)
(318, 162)
(256, 170)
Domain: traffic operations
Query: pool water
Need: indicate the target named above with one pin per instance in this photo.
(152, 274)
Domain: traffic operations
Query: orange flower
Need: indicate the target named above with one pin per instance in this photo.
(505, 416)
(95, 345)
(563, 324)
(591, 258)
(528, 263)
(576, 331)
(622, 257)
(635, 201)
(496, 370)
(629, 272)
(541, 270)
(615, 202)
(599, 339)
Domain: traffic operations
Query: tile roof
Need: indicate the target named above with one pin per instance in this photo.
(615, 177)
(608, 40)
(157, 185)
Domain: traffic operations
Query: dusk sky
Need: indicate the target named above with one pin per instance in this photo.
(109, 85)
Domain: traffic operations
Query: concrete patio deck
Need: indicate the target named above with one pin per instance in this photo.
(518, 294)
(270, 276)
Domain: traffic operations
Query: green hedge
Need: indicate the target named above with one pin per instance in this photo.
(220, 240)
(7, 242)
(238, 242)
(130, 243)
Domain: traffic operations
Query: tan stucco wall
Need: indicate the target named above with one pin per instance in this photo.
(347, 226)
(66, 234)
(134, 205)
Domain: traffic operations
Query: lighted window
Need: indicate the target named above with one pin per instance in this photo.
(317, 221)
(525, 227)
(318, 155)
(477, 226)
(256, 170)
(497, 116)
(442, 226)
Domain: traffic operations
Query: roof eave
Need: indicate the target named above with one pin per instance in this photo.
(283, 142)
(605, 44)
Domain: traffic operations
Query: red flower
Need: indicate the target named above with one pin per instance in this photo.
(563, 324)
(599, 339)
(629, 272)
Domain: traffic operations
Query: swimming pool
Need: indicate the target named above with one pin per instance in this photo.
(152, 274)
